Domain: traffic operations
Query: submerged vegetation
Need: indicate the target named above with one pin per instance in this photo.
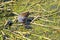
(45, 27)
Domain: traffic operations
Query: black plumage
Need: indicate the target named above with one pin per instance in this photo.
(9, 23)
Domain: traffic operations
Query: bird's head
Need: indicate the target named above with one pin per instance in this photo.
(25, 14)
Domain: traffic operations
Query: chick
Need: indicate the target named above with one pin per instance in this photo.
(23, 18)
